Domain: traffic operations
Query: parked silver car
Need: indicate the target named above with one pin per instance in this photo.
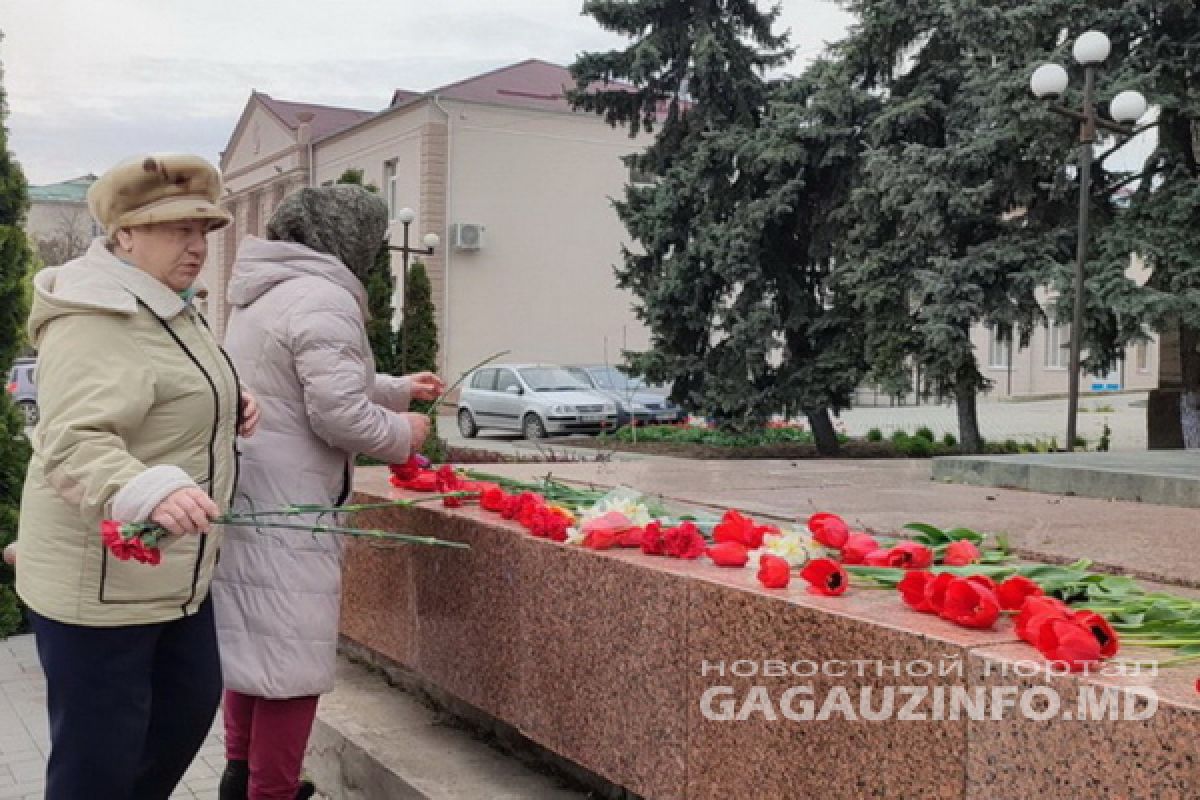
(633, 398)
(23, 389)
(536, 399)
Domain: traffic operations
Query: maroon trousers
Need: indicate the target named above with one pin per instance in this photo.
(271, 736)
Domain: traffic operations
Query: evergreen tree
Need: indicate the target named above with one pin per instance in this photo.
(695, 71)
(380, 286)
(958, 217)
(15, 267)
(420, 335)
(1156, 47)
(798, 167)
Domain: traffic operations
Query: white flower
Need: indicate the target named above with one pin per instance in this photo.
(574, 536)
(793, 547)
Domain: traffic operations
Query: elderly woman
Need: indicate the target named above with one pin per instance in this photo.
(297, 333)
(140, 410)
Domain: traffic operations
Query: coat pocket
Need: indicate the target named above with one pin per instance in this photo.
(172, 580)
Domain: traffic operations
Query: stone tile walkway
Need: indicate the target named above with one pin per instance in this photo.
(24, 739)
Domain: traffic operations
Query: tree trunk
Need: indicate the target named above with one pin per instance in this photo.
(1189, 399)
(823, 433)
(968, 418)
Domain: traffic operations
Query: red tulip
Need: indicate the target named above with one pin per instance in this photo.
(936, 591)
(910, 555)
(970, 605)
(825, 577)
(914, 588)
(1099, 627)
(877, 558)
(984, 581)
(774, 572)
(1013, 591)
(960, 554)
(829, 529)
(728, 554)
(735, 527)
(1065, 641)
(857, 546)
(1035, 612)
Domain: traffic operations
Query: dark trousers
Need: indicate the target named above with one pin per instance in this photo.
(129, 707)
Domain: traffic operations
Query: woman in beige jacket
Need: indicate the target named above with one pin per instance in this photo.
(140, 410)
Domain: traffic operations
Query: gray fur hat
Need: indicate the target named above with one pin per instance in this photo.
(347, 222)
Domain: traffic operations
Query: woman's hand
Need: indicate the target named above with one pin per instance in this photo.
(418, 426)
(186, 511)
(249, 415)
(426, 386)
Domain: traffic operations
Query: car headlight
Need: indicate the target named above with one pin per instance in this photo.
(563, 410)
(638, 406)
(609, 408)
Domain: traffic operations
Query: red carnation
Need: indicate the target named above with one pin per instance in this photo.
(684, 541)
(493, 500)
(825, 577)
(652, 540)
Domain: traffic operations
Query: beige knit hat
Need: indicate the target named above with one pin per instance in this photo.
(160, 187)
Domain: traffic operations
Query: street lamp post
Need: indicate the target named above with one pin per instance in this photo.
(406, 216)
(1048, 82)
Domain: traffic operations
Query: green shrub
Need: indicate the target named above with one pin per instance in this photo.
(899, 437)
(874, 435)
(916, 447)
(950, 440)
(926, 433)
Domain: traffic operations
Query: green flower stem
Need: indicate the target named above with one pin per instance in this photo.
(292, 511)
(442, 397)
(365, 533)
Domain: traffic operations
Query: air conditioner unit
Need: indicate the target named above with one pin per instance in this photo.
(466, 236)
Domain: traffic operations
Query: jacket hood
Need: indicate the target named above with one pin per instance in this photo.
(96, 283)
(262, 265)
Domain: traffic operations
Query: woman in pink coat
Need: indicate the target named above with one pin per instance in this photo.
(297, 334)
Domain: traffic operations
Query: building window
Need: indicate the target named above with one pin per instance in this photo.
(389, 186)
(1142, 356)
(999, 349)
(1058, 341)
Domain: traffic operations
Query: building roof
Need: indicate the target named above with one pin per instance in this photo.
(326, 120)
(532, 83)
(72, 191)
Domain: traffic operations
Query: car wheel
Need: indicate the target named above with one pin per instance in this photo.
(533, 427)
(466, 424)
(30, 410)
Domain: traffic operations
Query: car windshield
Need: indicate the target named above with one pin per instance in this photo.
(613, 378)
(550, 379)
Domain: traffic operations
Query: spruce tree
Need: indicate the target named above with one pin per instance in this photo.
(15, 267)
(957, 219)
(694, 73)
(799, 166)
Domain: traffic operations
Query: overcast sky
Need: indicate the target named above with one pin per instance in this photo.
(90, 82)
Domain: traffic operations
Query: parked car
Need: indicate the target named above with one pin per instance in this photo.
(23, 389)
(536, 399)
(634, 400)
